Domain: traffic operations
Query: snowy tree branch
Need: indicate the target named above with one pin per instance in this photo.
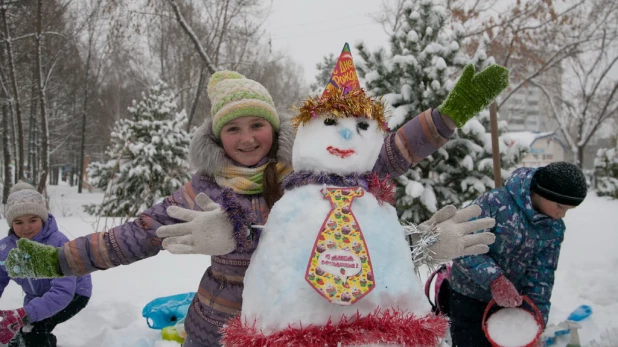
(523, 15)
(603, 114)
(603, 74)
(561, 123)
(27, 36)
(553, 61)
(210, 65)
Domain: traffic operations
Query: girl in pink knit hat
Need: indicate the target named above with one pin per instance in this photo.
(48, 302)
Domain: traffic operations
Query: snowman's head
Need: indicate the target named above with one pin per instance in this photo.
(340, 133)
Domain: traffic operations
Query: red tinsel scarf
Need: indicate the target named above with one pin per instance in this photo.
(382, 326)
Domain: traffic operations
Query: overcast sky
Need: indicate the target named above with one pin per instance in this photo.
(309, 30)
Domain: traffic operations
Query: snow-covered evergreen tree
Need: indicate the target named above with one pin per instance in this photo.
(416, 75)
(606, 172)
(147, 156)
(325, 69)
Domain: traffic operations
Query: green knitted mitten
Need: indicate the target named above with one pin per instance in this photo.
(472, 93)
(32, 260)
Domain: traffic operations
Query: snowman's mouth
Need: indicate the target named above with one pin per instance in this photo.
(343, 153)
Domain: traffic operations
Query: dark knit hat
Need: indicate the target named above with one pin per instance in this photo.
(560, 182)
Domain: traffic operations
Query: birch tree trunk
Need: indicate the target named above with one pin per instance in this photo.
(196, 100)
(32, 126)
(11, 64)
(6, 128)
(82, 146)
(8, 179)
(41, 86)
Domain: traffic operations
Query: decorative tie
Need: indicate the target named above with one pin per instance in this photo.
(340, 267)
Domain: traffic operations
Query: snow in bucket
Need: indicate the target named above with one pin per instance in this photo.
(512, 327)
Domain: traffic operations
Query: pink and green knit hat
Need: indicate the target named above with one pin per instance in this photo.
(232, 96)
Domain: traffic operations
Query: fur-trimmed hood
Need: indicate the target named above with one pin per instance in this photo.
(208, 157)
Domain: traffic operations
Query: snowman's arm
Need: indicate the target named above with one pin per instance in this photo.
(126, 243)
(415, 140)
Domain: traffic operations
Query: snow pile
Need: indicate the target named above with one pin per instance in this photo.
(608, 338)
(113, 316)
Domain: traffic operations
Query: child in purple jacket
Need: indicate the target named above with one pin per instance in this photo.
(48, 302)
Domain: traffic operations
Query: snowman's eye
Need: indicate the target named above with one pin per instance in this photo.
(363, 125)
(330, 121)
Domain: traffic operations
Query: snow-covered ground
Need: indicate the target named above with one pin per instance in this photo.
(113, 317)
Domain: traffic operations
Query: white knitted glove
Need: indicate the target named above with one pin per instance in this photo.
(206, 232)
(454, 228)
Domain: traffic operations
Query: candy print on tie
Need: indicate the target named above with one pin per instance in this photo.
(340, 266)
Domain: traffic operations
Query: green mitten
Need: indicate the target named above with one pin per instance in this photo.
(472, 93)
(33, 260)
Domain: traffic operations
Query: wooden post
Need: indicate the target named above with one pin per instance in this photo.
(495, 146)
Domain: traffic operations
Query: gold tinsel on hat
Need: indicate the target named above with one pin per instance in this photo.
(335, 103)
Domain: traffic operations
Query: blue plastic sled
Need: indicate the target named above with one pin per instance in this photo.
(167, 311)
(578, 315)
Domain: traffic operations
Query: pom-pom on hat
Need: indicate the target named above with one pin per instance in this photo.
(343, 97)
(24, 199)
(232, 96)
(560, 182)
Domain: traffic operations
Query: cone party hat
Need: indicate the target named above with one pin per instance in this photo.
(343, 97)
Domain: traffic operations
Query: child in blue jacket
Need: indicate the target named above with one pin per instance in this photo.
(529, 231)
(48, 302)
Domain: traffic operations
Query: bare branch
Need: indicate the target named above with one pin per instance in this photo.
(551, 62)
(390, 17)
(212, 68)
(556, 115)
(154, 14)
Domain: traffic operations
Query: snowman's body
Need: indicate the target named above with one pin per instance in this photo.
(276, 292)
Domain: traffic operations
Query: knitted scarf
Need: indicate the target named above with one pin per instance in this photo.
(381, 187)
(245, 180)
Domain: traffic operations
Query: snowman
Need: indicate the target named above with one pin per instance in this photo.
(333, 267)
(333, 255)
